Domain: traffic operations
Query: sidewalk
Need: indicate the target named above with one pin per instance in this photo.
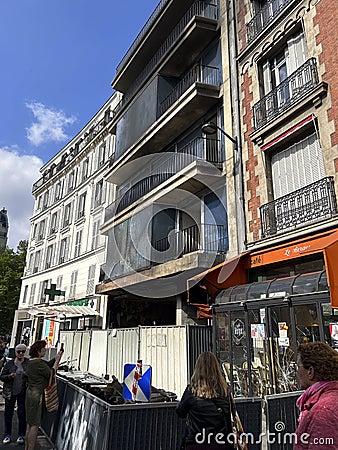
(42, 442)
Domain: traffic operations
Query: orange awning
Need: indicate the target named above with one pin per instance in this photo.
(234, 271)
(326, 243)
(229, 273)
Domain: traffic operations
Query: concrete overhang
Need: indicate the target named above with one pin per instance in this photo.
(162, 276)
(190, 107)
(155, 32)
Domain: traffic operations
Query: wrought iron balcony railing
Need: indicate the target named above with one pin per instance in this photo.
(172, 163)
(312, 203)
(286, 94)
(210, 238)
(264, 16)
(199, 73)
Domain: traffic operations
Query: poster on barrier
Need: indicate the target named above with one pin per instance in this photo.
(137, 382)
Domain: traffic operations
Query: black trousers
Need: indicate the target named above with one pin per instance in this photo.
(9, 412)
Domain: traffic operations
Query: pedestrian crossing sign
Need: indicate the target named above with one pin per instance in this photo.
(137, 382)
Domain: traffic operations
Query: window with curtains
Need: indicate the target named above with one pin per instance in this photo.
(297, 166)
(49, 256)
(53, 223)
(82, 205)
(37, 261)
(63, 253)
(95, 234)
(67, 218)
(278, 67)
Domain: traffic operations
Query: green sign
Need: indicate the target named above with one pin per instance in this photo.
(83, 302)
(53, 292)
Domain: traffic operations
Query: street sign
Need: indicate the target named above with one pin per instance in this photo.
(143, 391)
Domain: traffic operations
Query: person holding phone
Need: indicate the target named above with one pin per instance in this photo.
(38, 375)
(14, 392)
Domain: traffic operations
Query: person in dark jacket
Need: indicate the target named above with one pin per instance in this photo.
(318, 374)
(13, 376)
(205, 404)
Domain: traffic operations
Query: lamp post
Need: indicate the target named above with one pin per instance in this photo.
(211, 128)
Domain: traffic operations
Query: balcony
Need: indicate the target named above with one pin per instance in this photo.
(291, 91)
(313, 203)
(171, 164)
(264, 17)
(208, 237)
(201, 74)
(180, 41)
(191, 98)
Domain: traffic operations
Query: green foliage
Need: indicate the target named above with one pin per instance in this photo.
(11, 270)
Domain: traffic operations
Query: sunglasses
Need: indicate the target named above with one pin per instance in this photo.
(21, 351)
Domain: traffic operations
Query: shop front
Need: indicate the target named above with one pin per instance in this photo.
(290, 296)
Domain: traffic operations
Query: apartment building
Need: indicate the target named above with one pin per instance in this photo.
(65, 249)
(283, 289)
(178, 199)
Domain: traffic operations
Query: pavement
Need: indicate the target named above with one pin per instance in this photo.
(42, 442)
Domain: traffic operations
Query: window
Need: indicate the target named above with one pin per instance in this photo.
(42, 296)
(67, 215)
(72, 180)
(96, 234)
(45, 200)
(99, 193)
(91, 280)
(82, 205)
(58, 191)
(37, 261)
(63, 255)
(49, 257)
(85, 169)
(102, 155)
(41, 233)
(53, 223)
(73, 280)
(24, 298)
(78, 241)
(35, 231)
(32, 295)
(277, 68)
(297, 166)
(59, 282)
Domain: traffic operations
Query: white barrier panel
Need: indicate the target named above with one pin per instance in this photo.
(98, 353)
(122, 349)
(165, 349)
(85, 349)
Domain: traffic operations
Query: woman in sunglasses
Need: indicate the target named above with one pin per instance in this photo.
(14, 378)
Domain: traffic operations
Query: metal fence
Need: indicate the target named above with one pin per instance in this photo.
(170, 350)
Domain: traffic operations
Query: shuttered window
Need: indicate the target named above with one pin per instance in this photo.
(297, 166)
(91, 279)
(73, 280)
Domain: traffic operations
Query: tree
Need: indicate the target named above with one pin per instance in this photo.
(11, 270)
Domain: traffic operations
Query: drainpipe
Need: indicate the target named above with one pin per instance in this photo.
(235, 97)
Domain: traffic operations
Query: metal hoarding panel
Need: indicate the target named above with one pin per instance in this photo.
(165, 349)
(67, 337)
(98, 353)
(85, 348)
(199, 340)
(122, 349)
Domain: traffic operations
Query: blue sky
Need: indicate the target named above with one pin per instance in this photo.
(57, 62)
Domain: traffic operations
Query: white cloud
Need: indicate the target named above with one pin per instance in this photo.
(49, 125)
(18, 173)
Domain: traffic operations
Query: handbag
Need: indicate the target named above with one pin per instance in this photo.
(51, 394)
(237, 427)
